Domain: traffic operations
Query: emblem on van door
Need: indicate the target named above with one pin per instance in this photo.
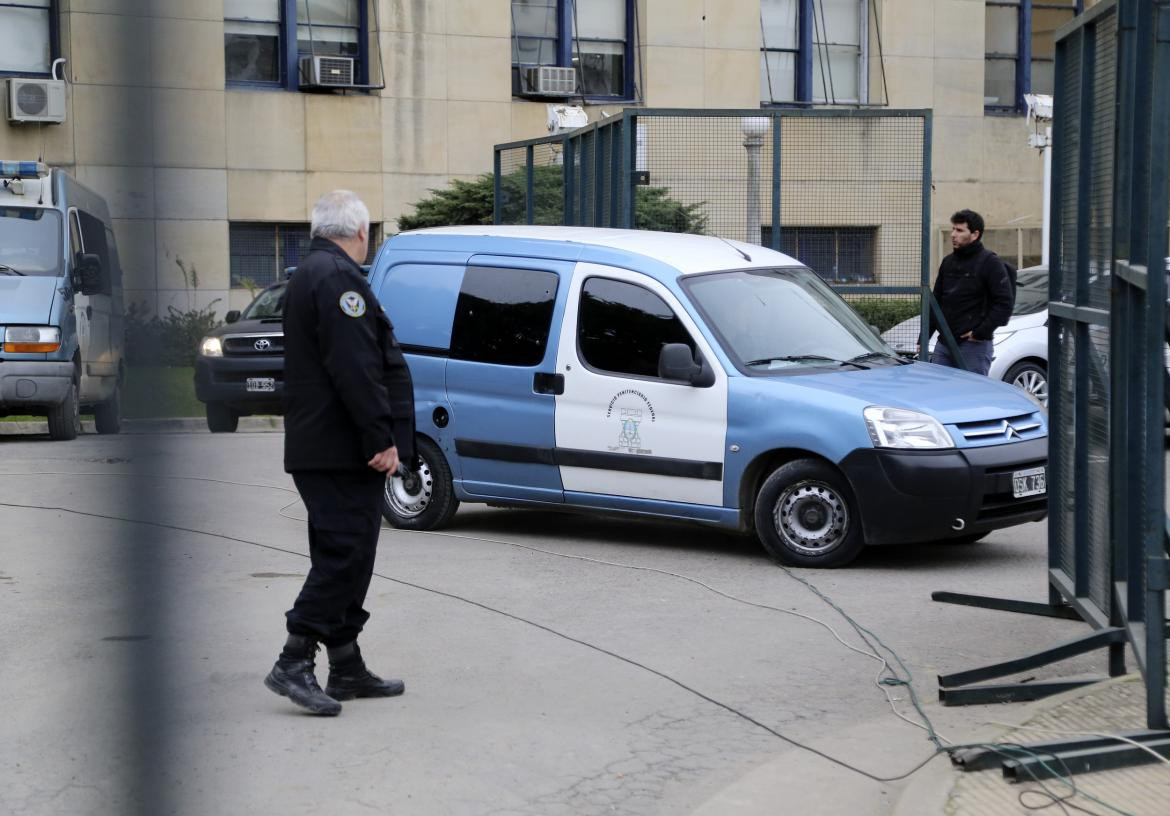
(263, 344)
(631, 409)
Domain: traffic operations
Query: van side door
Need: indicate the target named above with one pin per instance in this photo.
(94, 310)
(621, 429)
(501, 381)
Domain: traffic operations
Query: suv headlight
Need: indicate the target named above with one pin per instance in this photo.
(31, 339)
(211, 347)
(900, 428)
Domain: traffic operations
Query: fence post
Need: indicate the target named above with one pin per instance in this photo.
(927, 157)
(777, 124)
(529, 186)
(497, 205)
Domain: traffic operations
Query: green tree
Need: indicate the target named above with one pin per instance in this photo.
(472, 202)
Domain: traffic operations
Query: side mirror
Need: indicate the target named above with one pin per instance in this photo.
(232, 316)
(875, 330)
(675, 362)
(87, 274)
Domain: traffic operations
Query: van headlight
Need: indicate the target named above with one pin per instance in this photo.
(32, 339)
(211, 347)
(900, 428)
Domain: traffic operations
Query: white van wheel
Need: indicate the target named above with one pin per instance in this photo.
(65, 419)
(806, 517)
(107, 415)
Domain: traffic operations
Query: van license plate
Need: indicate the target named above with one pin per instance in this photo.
(1031, 482)
(268, 385)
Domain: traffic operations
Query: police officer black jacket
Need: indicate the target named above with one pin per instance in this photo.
(347, 393)
(974, 292)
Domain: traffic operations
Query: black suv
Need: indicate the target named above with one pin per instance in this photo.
(240, 367)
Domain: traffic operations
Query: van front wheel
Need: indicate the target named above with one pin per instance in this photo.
(65, 419)
(806, 516)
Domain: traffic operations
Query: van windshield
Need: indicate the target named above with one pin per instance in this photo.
(782, 319)
(30, 241)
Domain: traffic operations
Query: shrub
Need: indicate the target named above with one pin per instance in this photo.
(171, 340)
(472, 202)
(885, 313)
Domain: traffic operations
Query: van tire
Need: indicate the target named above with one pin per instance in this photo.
(806, 516)
(441, 504)
(107, 416)
(221, 419)
(65, 419)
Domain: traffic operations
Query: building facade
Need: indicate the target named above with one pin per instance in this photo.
(201, 122)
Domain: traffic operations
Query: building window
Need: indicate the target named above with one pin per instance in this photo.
(1020, 49)
(329, 28)
(837, 254)
(260, 252)
(30, 35)
(257, 34)
(251, 41)
(813, 51)
(591, 37)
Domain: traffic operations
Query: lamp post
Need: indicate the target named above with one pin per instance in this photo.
(754, 129)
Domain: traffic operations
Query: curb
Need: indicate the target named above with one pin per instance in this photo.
(930, 790)
(252, 424)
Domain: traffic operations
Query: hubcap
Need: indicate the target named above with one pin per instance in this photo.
(811, 518)
(402, 503)
(1034, 383)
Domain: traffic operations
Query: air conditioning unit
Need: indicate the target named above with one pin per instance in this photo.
(550, 80)
(36, 100)
(327, 72)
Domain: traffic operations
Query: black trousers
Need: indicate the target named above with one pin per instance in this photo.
(345, 517)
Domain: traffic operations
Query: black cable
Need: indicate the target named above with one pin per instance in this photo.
(630, 661)
(877, 24)
(1064, 774)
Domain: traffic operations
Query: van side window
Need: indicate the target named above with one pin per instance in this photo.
(93, 237)
(622, 328)
(503, 316)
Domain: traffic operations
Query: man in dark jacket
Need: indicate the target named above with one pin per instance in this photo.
(974, 293)
(349, 421)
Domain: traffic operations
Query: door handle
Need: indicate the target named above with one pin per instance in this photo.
(548, 383)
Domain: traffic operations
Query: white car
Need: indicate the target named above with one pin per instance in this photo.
(1021, 347)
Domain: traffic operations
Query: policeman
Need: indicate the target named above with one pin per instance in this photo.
(349, 421)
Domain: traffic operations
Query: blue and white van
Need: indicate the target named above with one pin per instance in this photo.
(61, 321)
(689, 377)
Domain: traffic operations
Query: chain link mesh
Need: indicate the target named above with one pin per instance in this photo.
(849, 191)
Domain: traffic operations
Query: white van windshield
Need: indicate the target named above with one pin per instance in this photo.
(30, 241)
(778, 319)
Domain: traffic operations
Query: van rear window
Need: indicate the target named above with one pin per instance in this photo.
(503, 315)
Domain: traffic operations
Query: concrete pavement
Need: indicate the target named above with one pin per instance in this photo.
(143, 604)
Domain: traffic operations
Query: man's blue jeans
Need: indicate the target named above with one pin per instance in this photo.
(976, 355)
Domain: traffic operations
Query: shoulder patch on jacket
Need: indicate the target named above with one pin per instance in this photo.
(352, 304)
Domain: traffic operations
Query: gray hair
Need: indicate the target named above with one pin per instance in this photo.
(339, 214)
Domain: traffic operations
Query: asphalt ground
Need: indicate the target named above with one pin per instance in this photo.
(555, 663)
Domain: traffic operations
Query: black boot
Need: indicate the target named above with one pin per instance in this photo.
(293, 677)
(349, 677)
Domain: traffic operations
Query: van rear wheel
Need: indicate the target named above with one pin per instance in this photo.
(107, 416)
(433, 505)
(806, 516)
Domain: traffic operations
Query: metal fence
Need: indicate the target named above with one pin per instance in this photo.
(1108, 529)
(845, 191)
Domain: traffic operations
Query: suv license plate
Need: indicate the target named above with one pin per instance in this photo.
(262, 384)
(1031, 482)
